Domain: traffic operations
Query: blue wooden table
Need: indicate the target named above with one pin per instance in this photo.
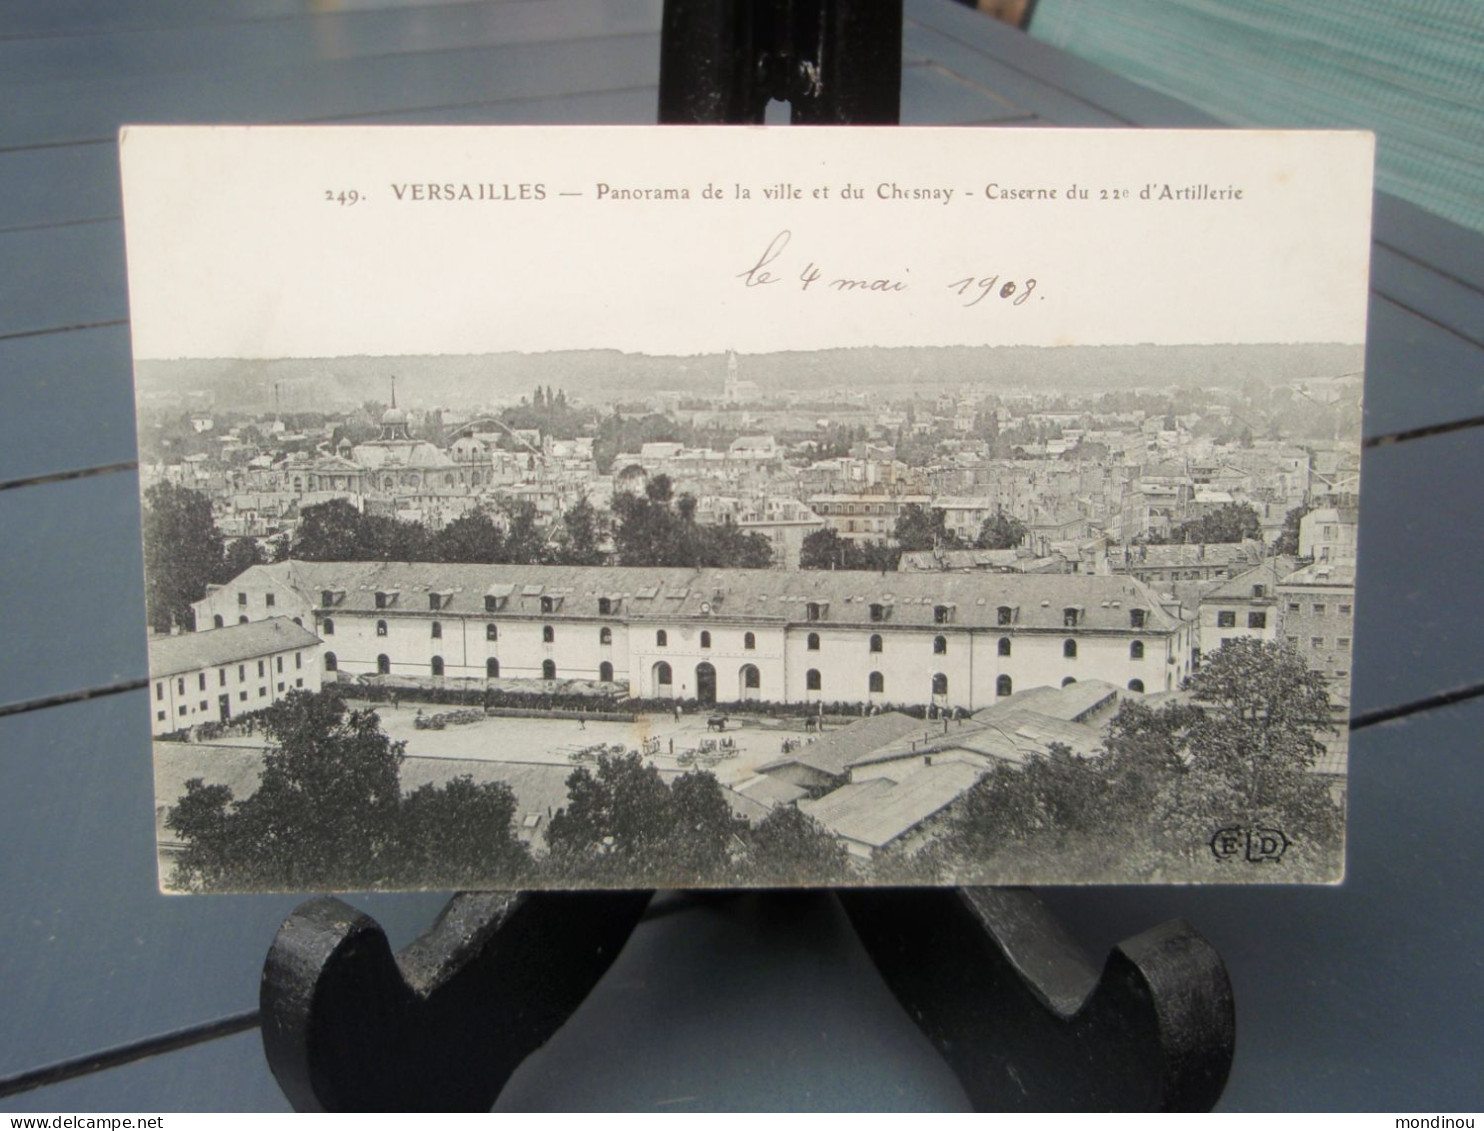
(116, 998)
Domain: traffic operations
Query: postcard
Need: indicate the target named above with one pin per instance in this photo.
(706, 507)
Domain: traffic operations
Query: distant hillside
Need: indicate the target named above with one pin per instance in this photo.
(463, 381)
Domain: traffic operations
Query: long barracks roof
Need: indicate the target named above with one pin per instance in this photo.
(876, 812)
(192, 651)
(973, 600)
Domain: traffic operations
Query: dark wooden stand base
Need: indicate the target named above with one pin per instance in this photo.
(987, 974)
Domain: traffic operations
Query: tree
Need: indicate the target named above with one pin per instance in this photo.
(329, 813)
(1000, 531)
(460, 834)
(1288, 541)
(324, 814)
(825, 549)
(622, 824)
(242, 554)
(329, 532)
(1230, 522)
(579, 537)
(659, 529)
(525, 544)
(923, 528)
(182, 554)
(471, 537)
(789, 847)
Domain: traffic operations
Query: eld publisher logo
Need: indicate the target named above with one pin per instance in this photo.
(1255, 845)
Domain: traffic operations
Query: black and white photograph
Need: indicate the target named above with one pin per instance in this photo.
(658, 507)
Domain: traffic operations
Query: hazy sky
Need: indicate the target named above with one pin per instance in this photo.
(239, 245)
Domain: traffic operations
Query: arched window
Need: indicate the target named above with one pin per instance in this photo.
(548, 669)
(811, 679)
(437, 665)
(877, 683)
(661, 639)
(1069, 649)
(1004, 686)
(381, 628)
(940, 645)
(705, 639)
(813, 642)
(751, 677)
(749, 641)
(605, 636)
(383, 664)
(331, 663)
(940, 684)
(217, 621)
(437, 630)
(492, 668)
(1004, 646)
(548, 634)
(1068, 681)
(242, 619)
(876, 642)
(1136, 685)
(491, 632)
(1136, 650)
(605, 672)
(662, 675)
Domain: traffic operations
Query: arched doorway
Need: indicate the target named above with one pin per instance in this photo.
(492, 668)
(751, 681)
(705, 683)
(548, 669)
(662, 680)
(383, 664)
(605, 672)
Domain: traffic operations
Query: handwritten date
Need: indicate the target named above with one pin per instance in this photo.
(771, 268)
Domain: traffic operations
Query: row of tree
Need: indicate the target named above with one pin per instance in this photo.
(916, 528)
(1239, 754)
(329, 812)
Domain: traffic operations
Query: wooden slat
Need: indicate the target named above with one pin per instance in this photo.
(92, 109)
(1419, 288)
(94, 956)
(311, 39)
(228, 1074)
(1418, 375)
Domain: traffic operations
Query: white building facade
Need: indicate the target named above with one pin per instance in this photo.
(722, 635)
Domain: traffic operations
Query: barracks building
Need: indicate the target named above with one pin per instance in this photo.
(720, 635)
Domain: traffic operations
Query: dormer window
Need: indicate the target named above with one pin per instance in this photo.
(1004, 615)
(548, 604)
(386, 597)
(878, 612)
(607, 606)
(942, 614)
(435, 601)
(815, 610)
(491, 604)
(1070, 615)
(1136, 618)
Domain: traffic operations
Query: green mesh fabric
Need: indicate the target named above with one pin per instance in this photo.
(1412, 70)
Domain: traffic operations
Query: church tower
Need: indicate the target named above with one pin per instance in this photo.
(394, 420)
(731, 389)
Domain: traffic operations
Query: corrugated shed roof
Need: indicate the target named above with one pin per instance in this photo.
(1037, 601)
(771, 791)
(1070, 702)
(834, 751)
(192, 651)
(878, 811)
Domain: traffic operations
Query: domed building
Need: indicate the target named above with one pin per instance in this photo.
(397, 464)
